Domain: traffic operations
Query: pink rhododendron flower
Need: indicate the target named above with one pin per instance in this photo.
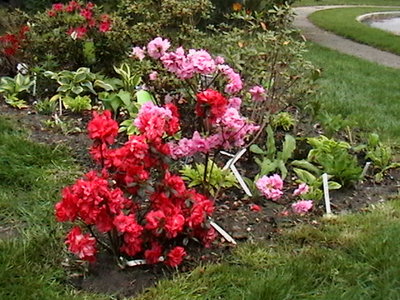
(153, 254)
(138, 53)
(302, 189)
(235, 83)
(82, 245)
(153, 75)
(270, 187)
(302, 207)
(157, 47)
(219, 60)
(258, 93)
(235, 103)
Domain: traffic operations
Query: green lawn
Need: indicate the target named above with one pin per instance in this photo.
(346, 2)
(350, 257)
(361, 91)
(342, 21)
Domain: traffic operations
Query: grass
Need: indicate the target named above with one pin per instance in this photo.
(348, 257)
(31, 176)
(342, 21)
(360, 91)
(347, 2)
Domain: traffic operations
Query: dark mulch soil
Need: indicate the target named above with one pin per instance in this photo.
(233, 214)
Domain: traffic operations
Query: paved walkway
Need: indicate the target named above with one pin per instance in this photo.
(330, 40)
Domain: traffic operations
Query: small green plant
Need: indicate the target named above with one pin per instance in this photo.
(311, 175)
(380, 155)
(81, 82)
(335, 159)
(14, 90)
(283, 120)
(271, 158)
(45, 107)
(213, 180)
(334, 123)
(129, 80)
(77, 104)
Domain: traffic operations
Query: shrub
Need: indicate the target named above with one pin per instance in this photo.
(76, 35)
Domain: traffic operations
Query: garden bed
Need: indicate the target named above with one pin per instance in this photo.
(233, 213)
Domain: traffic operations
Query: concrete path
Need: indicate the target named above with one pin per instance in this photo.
(330, 40)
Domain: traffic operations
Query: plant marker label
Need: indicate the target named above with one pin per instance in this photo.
(365, 170)
(326, 194)
(222, 232)
(231, 164)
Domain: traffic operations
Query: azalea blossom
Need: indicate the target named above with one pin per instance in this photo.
(302, 189)
(175, 256)
(302, 207)
(157, 47)
(138, 52)
(153, 75)
(270, 187)
(258, 93)
(82, 245)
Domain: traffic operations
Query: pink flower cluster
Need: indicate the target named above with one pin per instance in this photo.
(187, 65)
(134, 197)
(258, 93)
(270, 187)
(229, 128)
(302, 207)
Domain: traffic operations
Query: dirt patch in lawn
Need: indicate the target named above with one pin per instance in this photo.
(233, 213)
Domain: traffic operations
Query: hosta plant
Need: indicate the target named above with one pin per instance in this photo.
(15, 90)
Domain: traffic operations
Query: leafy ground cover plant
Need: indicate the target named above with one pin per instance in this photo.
(15, 90)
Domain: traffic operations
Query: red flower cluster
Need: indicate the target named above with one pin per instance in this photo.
(211, 104)
(83, 245)
(135, 198)
(11, 43)
(102, 22)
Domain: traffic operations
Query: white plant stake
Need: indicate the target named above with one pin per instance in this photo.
(326, 194)
(365, 170)
(222, 232)
(231, 165)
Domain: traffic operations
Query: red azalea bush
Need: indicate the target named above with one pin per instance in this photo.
(133, 198)
(76, 34)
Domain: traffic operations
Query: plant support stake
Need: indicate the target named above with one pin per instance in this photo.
(326, 194)
(231, 165)
(365, 170)
(222, 232)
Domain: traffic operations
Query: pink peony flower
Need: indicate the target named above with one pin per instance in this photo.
(138, 53)
(270, 187)
(302, 189)
(302, 207)
(157, 47)
(258, 93)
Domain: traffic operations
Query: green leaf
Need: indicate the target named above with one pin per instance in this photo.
(271, 149)
(89, 86)
(143, 96)
(79, 77)
(256, 149)
(105, 86)
(305, 164)
(289, 145)
(125, 97)
(305, 176)
(77, 90)
(333, 185)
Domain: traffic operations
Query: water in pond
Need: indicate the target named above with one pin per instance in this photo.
(388, 23)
